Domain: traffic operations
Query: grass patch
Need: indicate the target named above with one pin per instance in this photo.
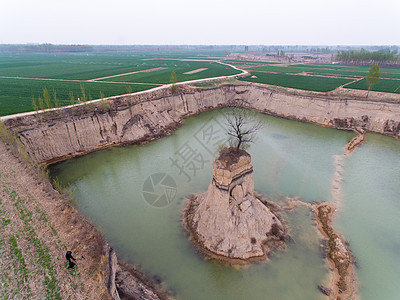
(309, 83)
(4, 221)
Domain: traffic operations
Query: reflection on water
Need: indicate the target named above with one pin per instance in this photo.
(289, 159)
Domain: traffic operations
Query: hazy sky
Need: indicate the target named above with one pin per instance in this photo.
(255, 22)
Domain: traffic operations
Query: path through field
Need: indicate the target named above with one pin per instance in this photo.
(129, 73)
(76, 80)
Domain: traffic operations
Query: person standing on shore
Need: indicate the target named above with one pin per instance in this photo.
(69, 257)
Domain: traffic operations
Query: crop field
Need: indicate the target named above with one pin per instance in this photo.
(348, 67)
(310, 83)
(241, 62)
(68, 66)
(334, 71)
(338, 73)
(87, 66)
(349, 70)
(279, 69)
(328, 70)
(383, 85)
(180, 68)
(23, 76)
(16, 94)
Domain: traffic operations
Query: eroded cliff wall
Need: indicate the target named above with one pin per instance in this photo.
(58, 135)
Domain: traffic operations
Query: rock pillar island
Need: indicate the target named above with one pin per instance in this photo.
(228, 221)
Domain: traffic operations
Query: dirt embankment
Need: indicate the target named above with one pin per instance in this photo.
(141, 117)
(343, 282)
(355, 142)
(37, 227)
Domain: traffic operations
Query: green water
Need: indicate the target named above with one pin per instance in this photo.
(290, 159)
(370, 218)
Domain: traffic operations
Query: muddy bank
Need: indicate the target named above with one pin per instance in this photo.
(141, 117)
(343, 281)
(355, 142)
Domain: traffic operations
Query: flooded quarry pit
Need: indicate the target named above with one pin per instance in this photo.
(136, 195)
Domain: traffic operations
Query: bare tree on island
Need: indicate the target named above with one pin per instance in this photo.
(242, 129)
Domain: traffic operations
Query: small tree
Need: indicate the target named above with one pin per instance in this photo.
(373, 76)
(241, 129)
(174, 80)
(71, 98)
(41, 103)
(83, 97)
(56, 100)
(34, 104)
(47, 98)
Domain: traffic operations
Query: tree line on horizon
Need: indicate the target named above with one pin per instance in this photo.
(43, 48)
(364, 57)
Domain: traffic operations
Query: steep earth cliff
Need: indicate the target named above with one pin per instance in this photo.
(58, 135)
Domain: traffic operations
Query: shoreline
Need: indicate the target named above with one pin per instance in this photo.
(343, 281)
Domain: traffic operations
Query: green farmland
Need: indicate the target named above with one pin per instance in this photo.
(279, 69)
(383, 85)
(93, 66)
(69, 66)
(25, 76)
(332, 70)
(348, 67)
(309, 83)
(328, 70)
(180, 67)
(286, 77)
(101, 74)
(16, 94)
(241, 62)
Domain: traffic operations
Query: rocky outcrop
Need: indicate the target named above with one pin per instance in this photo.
(132, 284)
(228, 220)
(134, 118)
